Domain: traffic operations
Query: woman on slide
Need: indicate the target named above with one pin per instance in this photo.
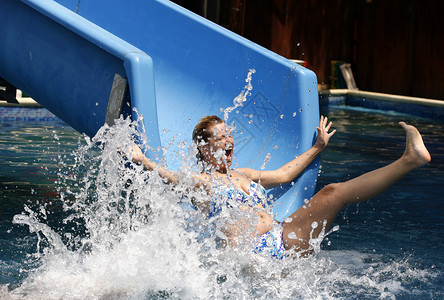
(215, 149)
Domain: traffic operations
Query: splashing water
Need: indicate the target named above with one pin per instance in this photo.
(242, 97)
(131, 232)
(125, 234)
(266, 160)
(133, 237)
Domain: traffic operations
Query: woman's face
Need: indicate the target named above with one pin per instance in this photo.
(219, 150)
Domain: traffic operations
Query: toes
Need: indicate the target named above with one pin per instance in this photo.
(403, 124)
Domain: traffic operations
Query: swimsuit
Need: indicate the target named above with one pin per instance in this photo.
(270, 241)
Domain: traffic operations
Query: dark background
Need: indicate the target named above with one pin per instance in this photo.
(394, 46)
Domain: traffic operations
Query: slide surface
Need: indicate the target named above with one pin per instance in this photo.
(84, 60)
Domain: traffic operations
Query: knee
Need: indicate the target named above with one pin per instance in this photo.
(332, 195)
(331, 190)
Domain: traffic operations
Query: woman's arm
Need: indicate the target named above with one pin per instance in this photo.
(140, 158)
(294, 168)
(201, 180)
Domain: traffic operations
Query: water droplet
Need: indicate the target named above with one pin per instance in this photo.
(292, 236)
(266, 160)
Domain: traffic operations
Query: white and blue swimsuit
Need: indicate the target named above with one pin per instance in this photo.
(273, 243)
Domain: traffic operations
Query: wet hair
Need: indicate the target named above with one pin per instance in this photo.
(201, 131)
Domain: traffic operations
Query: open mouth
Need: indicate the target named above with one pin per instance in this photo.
(229, 154)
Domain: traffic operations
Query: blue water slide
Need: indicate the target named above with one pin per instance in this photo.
(74, 68)
(72, 57)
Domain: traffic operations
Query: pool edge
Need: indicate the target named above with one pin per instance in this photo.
(419, 107)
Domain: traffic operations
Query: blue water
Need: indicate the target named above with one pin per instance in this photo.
(390, 247)
(30, 160)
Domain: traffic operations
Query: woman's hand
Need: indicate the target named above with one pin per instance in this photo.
(323, 134)
(242, 228)
(136, 154)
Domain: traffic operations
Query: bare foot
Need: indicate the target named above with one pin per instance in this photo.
(415, 151)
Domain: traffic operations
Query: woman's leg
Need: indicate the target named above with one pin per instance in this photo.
(327, 203)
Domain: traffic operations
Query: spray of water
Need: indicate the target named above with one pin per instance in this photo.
(242, 97)
(126, 234)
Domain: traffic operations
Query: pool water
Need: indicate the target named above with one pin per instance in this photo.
(390, 247)
(404, 224)
(30, 157)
